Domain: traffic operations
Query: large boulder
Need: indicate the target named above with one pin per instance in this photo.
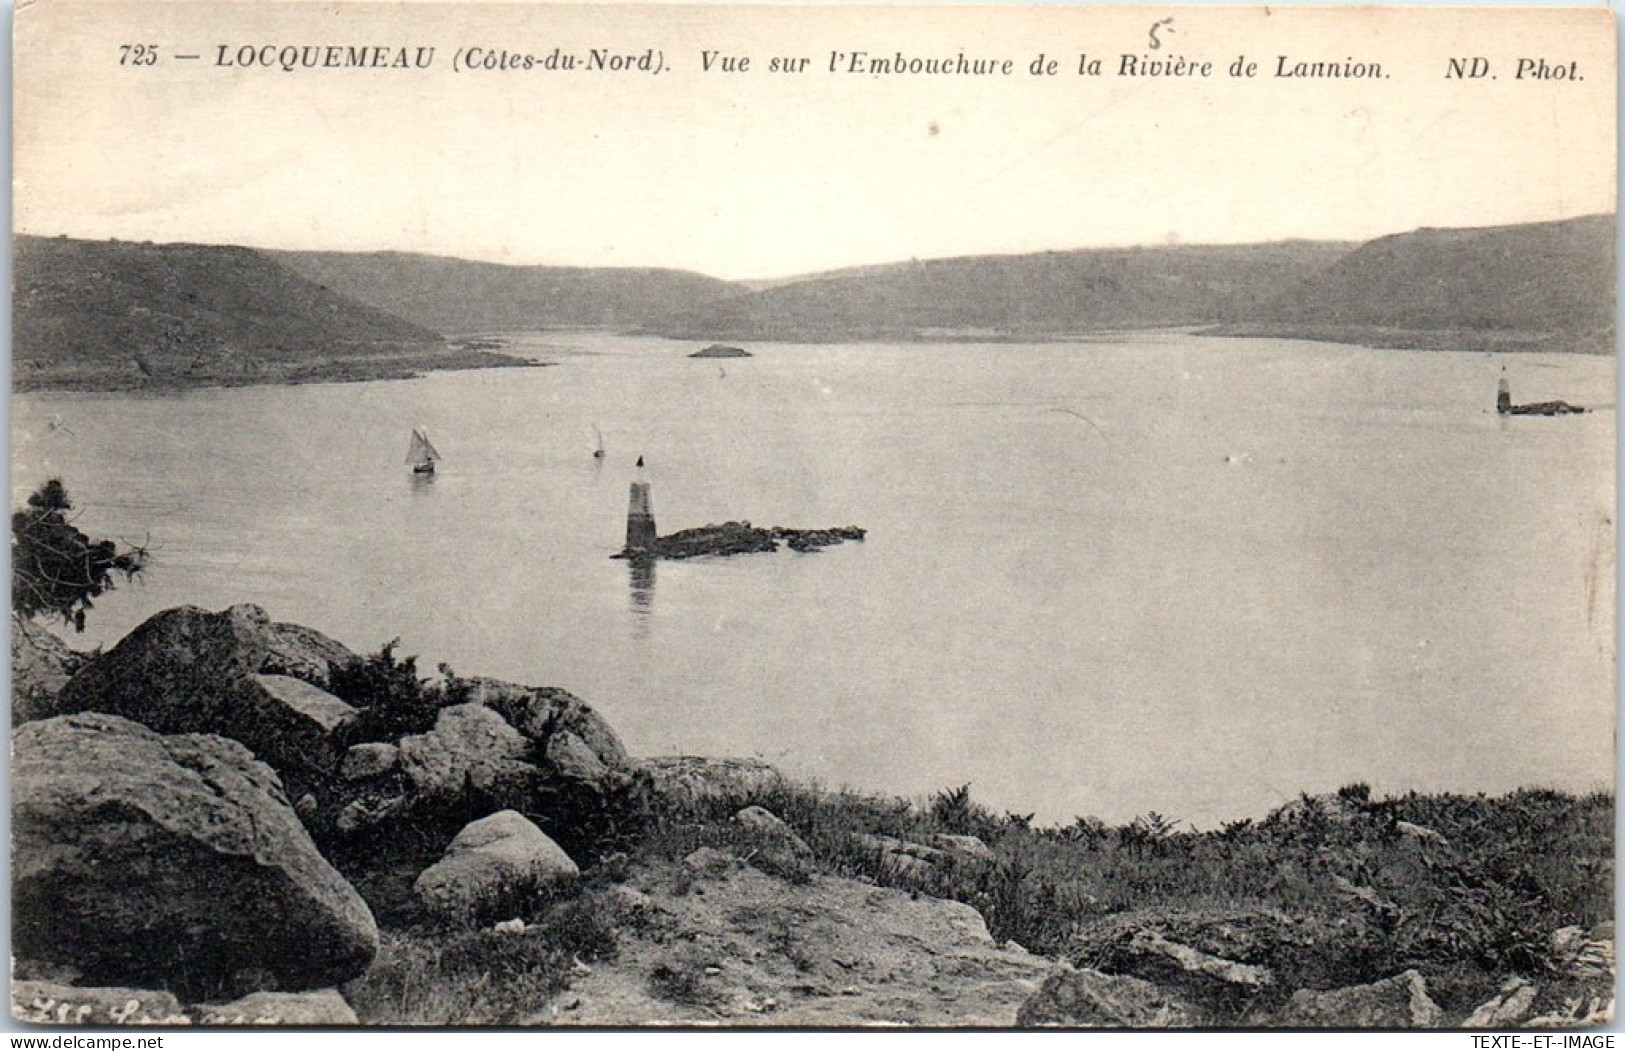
(186, 670)
(473, 762)
(151, 860)
(572, 759)
(371, 759)
(1400, 1002)
(41, 665)
(540, 712)
(304, 653)
(470, 749)
(297, 728)
(497, 864)
(1088, 999)
(167, 673)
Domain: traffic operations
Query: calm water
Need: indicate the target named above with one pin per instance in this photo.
(1188, 575)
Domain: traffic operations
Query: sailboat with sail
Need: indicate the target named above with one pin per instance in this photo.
(421, 454)
(598, 453)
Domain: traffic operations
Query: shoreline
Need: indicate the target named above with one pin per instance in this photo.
(483, 351)
(286, 374)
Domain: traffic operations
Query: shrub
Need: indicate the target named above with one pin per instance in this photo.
(391, 698)
(55, 569)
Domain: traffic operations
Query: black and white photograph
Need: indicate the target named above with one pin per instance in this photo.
(812, 517)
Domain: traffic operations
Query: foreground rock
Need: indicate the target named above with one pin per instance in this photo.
(495, 866)
(742, 538)
(1400, 1002)
(1577, 954)
(175, 861)
(718, 941)
(1090, 1000)
(542, 713)
(41, 665)
(304, 653)
(688, 780)
(471, 748)
(1507, 1008)
(904, 859)
(186, 670)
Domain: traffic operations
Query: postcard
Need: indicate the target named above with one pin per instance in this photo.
(533, 514)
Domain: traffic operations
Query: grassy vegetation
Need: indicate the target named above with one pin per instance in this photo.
(1327, 891)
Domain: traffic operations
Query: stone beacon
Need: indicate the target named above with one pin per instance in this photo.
(640, 518)
(1503, 394)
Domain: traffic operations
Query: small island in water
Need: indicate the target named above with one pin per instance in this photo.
(740, 538)
(722, 350)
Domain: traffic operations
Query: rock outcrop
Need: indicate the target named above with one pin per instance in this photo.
(1400, 1002)
(186, 670)
(741, 538)
(774, 846)
(304, 653)
(693, 780)
(41, 665)
(720, 942)
(471, 748)
(1506, 1008)
(541, 712)
(1088, 999)
(495, 866)
(1578, 954)
(368, 760)
(502, 746)
(151, 860)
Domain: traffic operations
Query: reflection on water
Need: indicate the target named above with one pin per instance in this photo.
(641, 573)
(421, 481)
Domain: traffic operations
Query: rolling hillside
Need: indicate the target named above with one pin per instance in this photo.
(459, 296)
(112, 312)
(1549, 280)
(1037, 295)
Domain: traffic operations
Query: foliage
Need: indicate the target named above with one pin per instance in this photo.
(482, 977)
(1327, 891)
(56, 570)
(391, 698)
(1332, 890)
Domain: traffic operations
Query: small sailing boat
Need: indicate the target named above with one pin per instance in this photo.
(421, 454)
(598, 453)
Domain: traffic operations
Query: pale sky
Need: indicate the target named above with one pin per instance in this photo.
(761, 174)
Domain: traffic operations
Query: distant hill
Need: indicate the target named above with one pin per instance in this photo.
(111, 313)
(108, 312)
(1554, 280)
(1043, 294)
(459, 296)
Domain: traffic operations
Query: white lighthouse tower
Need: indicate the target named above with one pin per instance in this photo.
(640, 516)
